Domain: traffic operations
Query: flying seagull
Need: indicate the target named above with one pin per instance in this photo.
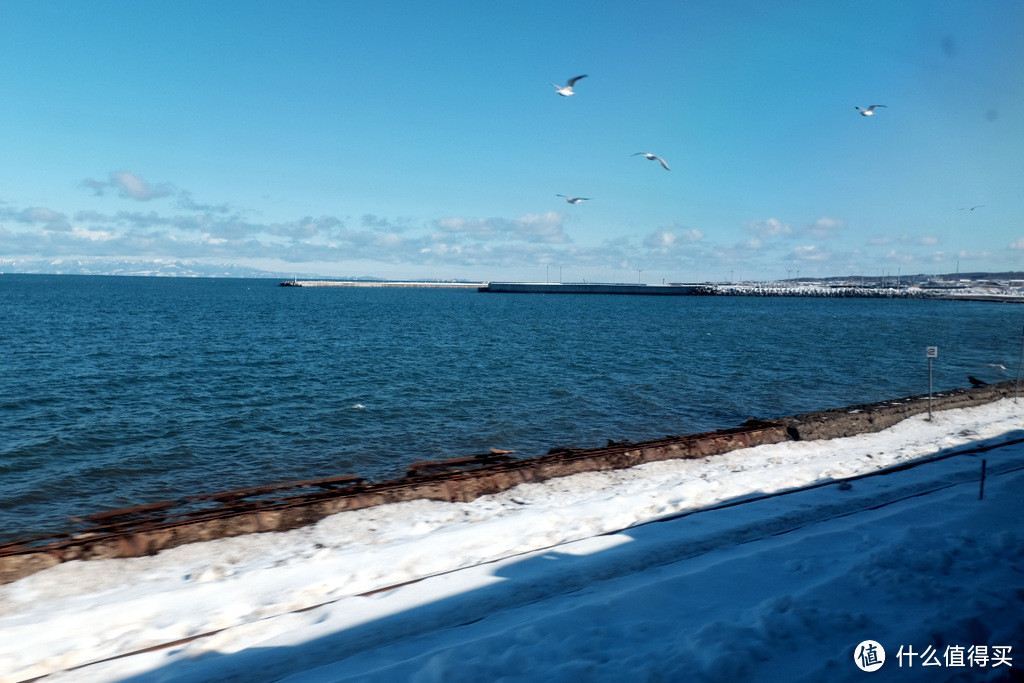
(573, 200)
(870, 111)
(566, 90)
(972, 208)
(651, 157)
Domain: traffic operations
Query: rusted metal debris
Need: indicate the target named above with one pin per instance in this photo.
(147, 529)
(439, 466)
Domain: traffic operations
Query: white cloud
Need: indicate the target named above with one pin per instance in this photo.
(186, 202)
(919, 240)
(131, 186)
(48, 218)
(772, 227)
(901, 257)
(329, 227)
(906, 239)
(764, 230)
(1018, 244)
(810, 252)
(824, 228)
(186, 229)
(544, 227)
(667, 240)
(81, 233)
(389, 239)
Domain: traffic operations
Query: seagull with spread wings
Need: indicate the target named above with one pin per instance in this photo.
(652, 157)
(573, 200)
(566, 90)
(870, 111)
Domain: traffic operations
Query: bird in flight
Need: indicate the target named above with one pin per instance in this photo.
(870, 111)
(566, 90)
(972, 208)
(573, 200)
(652, 157)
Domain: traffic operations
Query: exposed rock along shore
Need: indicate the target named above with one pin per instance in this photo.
(148, 529)
(768, 290)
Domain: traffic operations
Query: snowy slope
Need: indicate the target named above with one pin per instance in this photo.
(534, 584)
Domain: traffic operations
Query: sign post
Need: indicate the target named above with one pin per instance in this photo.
(932, 352)
(1020, 363)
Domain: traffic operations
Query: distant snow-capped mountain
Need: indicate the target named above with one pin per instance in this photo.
(151, 267)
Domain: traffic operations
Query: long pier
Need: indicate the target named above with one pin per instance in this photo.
(769, 289)
(586, 288)
(380, 283)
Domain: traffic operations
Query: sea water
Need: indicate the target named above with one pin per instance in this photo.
(119, 391)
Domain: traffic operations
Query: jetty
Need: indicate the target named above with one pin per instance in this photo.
(586, 288)
(1012, 292)
(380, 283)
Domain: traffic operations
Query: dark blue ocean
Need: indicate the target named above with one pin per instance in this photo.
(119, 391)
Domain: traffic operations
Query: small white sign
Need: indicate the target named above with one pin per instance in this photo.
(933, 352)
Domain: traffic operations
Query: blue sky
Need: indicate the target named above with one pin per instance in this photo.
(411, 139)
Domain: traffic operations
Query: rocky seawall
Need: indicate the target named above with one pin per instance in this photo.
(147, 529)
(854, 292)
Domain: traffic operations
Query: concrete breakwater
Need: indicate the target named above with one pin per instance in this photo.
(380, 283)
(585, 288)
(842, 292)
(761, 289)
(814, 291)
(147, 529)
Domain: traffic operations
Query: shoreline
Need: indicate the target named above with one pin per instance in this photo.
(148, 529)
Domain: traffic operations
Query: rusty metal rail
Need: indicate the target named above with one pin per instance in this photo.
(185, 510)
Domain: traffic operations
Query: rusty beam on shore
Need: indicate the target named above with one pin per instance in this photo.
(148, 529)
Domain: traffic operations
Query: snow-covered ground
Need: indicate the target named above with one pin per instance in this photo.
(678, 570)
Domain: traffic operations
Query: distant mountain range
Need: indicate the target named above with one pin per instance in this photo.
(152, 268)
(192, 268)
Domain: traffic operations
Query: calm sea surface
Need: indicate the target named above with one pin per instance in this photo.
(120, 391)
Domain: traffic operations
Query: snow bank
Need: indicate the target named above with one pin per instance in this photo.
(524, 584)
